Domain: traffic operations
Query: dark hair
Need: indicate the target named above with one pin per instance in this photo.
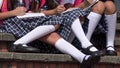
(35, 5)
(12, 4)
(51, 4)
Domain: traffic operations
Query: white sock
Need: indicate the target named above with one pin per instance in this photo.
(78, 31)
(36, 33)
(69, 49)
(111, 21)
(94, 19)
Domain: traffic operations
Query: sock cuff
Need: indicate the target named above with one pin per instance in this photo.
(59, 41)
(93, 14)
(52, 27)
(114, 14)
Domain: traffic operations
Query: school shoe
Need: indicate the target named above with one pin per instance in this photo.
(91, 59)
(24, 49)
(111, 52)
(94, 53)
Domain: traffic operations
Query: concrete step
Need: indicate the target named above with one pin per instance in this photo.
(51, 57)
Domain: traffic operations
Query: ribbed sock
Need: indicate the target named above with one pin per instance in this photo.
(111, 21)
(36, 33)
(69, 49)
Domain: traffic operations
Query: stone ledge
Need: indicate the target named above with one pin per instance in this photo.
(35, 57)
(7, 37)
(110, 59)
(51, 57)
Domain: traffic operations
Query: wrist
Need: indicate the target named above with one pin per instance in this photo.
(11, 13)
(55, 11)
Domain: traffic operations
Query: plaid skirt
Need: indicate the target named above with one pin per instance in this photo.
(20, 27)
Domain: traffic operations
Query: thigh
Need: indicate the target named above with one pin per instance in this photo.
(50, 38)
(99, 7)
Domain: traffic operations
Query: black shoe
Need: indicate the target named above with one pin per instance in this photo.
(24, 49)
(111, 52)
(94, 53)
(91, 60)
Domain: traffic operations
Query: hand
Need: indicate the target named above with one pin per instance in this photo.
(19, 11)
(68, 5)
(60, 9)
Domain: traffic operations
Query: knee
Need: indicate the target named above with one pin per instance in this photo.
(51, 38)
(98, 8)
(54, 35)
(110, 7)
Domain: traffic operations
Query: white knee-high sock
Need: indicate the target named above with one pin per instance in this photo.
(94, 19)
(69, 49)
(111, 21)
(36, 33)
(78, 31)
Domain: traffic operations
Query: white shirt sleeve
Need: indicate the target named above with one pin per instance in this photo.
(1, 2)
(67, 1)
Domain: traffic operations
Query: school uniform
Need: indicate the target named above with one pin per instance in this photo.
(20, 27)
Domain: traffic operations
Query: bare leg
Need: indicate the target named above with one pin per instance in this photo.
(65, 47)
(51, 38)
(94, 18)
(111, 21)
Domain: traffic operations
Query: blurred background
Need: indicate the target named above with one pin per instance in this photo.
(117, 2)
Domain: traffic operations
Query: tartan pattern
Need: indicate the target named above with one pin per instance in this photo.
(68, 18)
(20, 27)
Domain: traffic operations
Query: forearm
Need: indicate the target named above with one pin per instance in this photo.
(49, 12)
(6, 15)
(16, 12)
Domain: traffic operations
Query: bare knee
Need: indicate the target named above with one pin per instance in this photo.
(110, 7)
(54, 36)
(51, 38)
(98, 8)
